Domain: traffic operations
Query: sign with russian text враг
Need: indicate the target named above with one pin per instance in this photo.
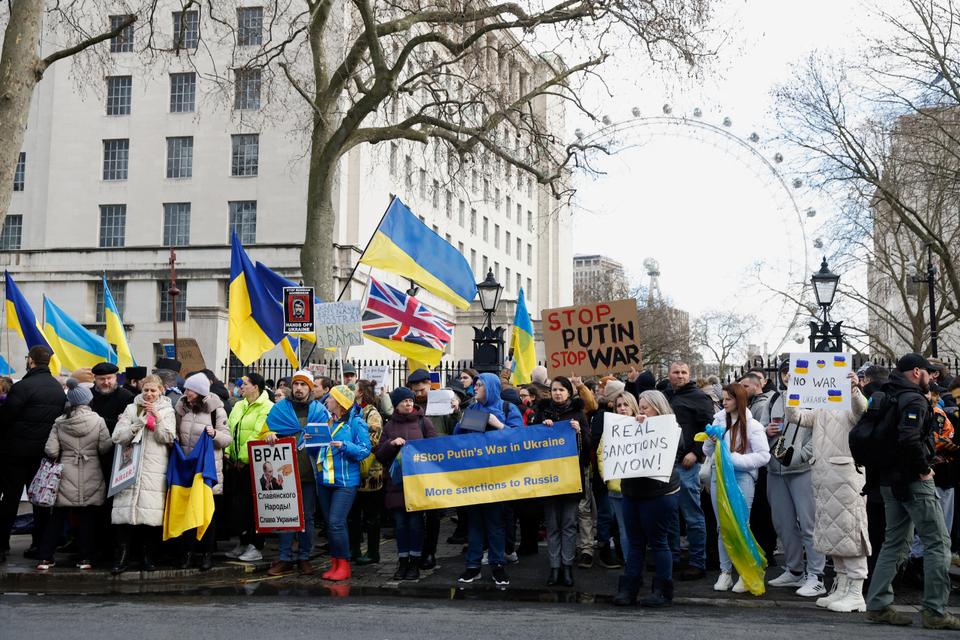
(592, 339)
(275, 482)
(819, 380)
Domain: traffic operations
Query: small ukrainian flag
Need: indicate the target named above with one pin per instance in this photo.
(839, 361)
(802, 366)
(793, 400)
(821, 364)
(834, 395)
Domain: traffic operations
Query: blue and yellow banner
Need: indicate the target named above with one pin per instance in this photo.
(20, 318)
(190, 482)
(255, 321)
(476, 468)
(74, 344)
(524, 350)
(114, 332)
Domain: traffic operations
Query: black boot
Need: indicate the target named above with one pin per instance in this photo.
(123, 560)
(370, 557)
(566, 575)
(627, 590)
(401, 572)
(554, 578)
(187, 561)
(148, 558)
(661, 595)
(206, 562)
(428, 561)
(413, 569)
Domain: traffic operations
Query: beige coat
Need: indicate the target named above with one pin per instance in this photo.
(78, 440)
(841, 512)
(142, 503)
(190, 426)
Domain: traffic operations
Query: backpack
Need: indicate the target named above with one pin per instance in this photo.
(873, 439)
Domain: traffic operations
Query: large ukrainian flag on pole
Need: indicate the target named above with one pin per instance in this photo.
(404, 245)
(521, 341)
(190, 482)
(73, 343)
(20, 318)
(255, 322)
(114, 333)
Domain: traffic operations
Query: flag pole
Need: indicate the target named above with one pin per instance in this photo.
(354, 270)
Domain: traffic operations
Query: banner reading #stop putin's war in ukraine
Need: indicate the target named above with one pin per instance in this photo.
(475, 468)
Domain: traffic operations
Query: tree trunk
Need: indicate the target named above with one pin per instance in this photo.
(316, 255)
(19, 67)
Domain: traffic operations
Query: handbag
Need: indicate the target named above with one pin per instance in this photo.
(784, 455)
(46, 484)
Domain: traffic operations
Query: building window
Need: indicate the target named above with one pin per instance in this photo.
(249, 26)
(496, 236)
(519, 281)
(519, 186)
(449, 205)
(183, 92)
(529, 220)
(243, 220)
(486, 229)
(123, 41)
(12, 233)
(496, 270)
(506, 278)
(519, 248)
(166, 304)
(496, 199)
(113, 224)
(473, 180)
(486, 266)
(473, 260)
(530, 254)
(245, 154)
(247, 94)
(176, 224)
(435, 196)
(408, 170)
(393, 158)
(462, 213)
(186, 30)
(115, 157)
(118, 289)
(19, 174)
(529, 187)
(119, 89)
(423, 183)
(529, 290)
(460, 247)
(180, 157)
(519, 214)
(473, 221)
(509, 207)
(486, 190)
(507, 243)
(448, 239)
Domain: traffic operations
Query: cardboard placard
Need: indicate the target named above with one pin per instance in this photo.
(819, 380)
(634, 449)
(275, 479)
(338, 324)
(125, 468)
(188, 353)
(298, 310)
(378, 374)
(592, 339)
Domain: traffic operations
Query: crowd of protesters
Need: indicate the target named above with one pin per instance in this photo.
(810, 503)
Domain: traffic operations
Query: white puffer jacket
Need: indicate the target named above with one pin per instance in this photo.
(841, 525)
(757, 453)
(142, 503)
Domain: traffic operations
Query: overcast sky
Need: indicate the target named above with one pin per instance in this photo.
(706, 209)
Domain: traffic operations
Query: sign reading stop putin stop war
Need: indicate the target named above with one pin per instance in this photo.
(598, 338)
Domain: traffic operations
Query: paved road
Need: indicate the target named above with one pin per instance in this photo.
(233, 618)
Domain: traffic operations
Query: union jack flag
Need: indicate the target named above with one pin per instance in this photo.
(391, 314)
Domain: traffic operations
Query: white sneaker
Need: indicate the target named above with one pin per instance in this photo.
(236, 551)
(812, 586)
(837, 591)
(252, 554)
(724, 582)
(485, 560)
(788, 579)
(740, 587)
(512, 558)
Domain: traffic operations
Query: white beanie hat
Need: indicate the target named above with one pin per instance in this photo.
(199, 384)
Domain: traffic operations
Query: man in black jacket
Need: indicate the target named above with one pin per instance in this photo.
(910, 501)
(25, 420)
(694, 411)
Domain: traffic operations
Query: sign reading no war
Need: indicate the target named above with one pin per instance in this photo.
(592, 339)
(819, 380)
(475, 468)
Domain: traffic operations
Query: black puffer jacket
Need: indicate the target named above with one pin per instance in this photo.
(915, 425)
(572, 410)
(29, 412)
(694, 410)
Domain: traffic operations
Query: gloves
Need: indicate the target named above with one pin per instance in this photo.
(151, 423)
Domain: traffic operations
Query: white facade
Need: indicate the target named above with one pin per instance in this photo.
(509, 227)
(597, 278)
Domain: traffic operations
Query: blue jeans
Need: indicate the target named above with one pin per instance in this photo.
(616, 505)
(604, 513)
(485, 524)
(335, 503)
(408, 529)
(747, 484)
(689, 509)
(308, 494)
(648, 523)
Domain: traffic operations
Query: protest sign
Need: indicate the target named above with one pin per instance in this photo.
(188, 353)
(298, 310)
(125, 468)
(439, 402)
(819, 380)
(378, 374)
(497, 466)
(592, 339)
(338, 324)
(634, 449)
(275, 480)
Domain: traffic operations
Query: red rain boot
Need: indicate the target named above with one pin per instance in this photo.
(334, 567)
(342, 572)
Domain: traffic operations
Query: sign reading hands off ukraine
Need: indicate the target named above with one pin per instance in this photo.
(476, 468)
(819, 380)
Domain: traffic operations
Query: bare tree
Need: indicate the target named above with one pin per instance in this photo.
(666, 330)
(723, 334)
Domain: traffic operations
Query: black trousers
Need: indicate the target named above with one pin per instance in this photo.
(761, 520)
(364, 521)
(140, 537)
(431, 532)
(238, 494)
(529, 514)
(16, 475)
(85, 519)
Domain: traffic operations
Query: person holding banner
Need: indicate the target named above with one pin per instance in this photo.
(649, 508)
(560, 512)
(485, 522)
(368, 506)
(338, 474)
(150, 421)
(407, 423)
(749, 450)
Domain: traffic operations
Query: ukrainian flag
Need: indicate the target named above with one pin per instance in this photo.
(404, 245)
(76, 346)
(255, 321)
(115, 334)
(793, 400)
(803, 366)
(5, 368)
(190, 482)
(521, 341)
(834, 395)
(839, 361)
(20, 318)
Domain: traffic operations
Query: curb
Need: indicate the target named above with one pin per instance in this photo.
(91, 579)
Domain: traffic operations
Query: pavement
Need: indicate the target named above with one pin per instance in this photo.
(596, 585)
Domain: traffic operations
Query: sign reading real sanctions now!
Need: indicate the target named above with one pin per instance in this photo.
(592, 339)
(476, 468)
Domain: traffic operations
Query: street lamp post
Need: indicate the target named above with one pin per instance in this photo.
(824, 336)
(487, 340)
(930, 281)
